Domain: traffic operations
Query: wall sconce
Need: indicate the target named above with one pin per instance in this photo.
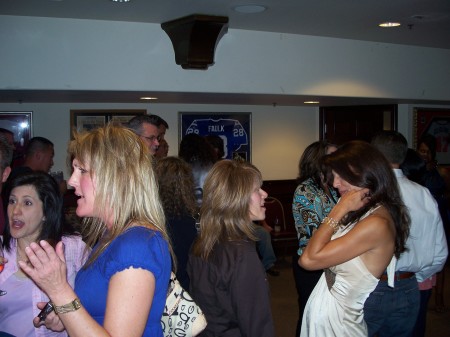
(194, 39)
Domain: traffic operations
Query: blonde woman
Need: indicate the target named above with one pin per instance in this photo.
(227, 277)
(121, 290)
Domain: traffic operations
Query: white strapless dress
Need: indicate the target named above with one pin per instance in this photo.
(335, 307)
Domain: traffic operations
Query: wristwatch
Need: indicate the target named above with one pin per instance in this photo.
(72, 306)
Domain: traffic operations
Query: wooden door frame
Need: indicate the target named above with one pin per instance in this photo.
(393, 116)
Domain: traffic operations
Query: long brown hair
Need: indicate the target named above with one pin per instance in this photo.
(362, 165)
(309, 165)
(224, 214)
(176, 186)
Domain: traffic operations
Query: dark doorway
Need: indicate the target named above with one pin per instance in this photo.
(343, 123)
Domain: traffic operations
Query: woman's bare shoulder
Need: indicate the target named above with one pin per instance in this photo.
(378, 223)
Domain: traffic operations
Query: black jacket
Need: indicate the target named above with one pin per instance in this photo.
(232, 290)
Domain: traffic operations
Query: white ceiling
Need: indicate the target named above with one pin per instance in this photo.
(424, 22)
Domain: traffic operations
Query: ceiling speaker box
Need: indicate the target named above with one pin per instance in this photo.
(194, 39)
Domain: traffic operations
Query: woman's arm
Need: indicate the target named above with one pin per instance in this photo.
(130, 291)
(322, 252)
(130, 297)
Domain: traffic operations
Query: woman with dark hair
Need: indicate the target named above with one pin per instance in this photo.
(435, 175)
(312, 202)
(217, 144)
(414, 167)
(361, 237)
(227, 278)
(176, 190)
(35, 213)
(196, 151)
(436, 178)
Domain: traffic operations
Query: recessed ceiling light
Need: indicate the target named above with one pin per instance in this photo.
(311, 102)
(389, 24)
(148, 98)
(120, 0)
(250, 9)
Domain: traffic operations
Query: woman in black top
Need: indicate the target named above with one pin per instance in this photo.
(228, 280)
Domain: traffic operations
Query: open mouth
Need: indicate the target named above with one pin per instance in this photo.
(17, 224)
(78, 195)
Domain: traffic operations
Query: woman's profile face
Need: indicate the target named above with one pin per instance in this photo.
(257, 199)
(25, 213)
(342, 185)
(81, 181)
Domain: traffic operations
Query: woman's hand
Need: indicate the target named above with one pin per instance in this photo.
(352, 200)
(47, 267)
(51, 322)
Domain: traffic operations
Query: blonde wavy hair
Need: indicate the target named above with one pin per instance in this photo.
(126, 192)
(225, 210)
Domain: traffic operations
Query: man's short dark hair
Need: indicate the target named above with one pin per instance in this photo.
(37, 144)
(136, 122)
(163, 122)
(392, 144)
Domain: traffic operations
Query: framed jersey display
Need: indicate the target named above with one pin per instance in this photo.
(233, 128)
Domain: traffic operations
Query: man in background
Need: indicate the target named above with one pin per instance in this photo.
(150, 128)
(39, 153)
(393, 311)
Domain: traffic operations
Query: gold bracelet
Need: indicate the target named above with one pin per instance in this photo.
(72, 306)
(332, 223)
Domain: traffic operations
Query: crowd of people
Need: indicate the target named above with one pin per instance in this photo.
(370, 220)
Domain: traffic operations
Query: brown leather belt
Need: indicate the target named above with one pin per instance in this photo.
(399, 275)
